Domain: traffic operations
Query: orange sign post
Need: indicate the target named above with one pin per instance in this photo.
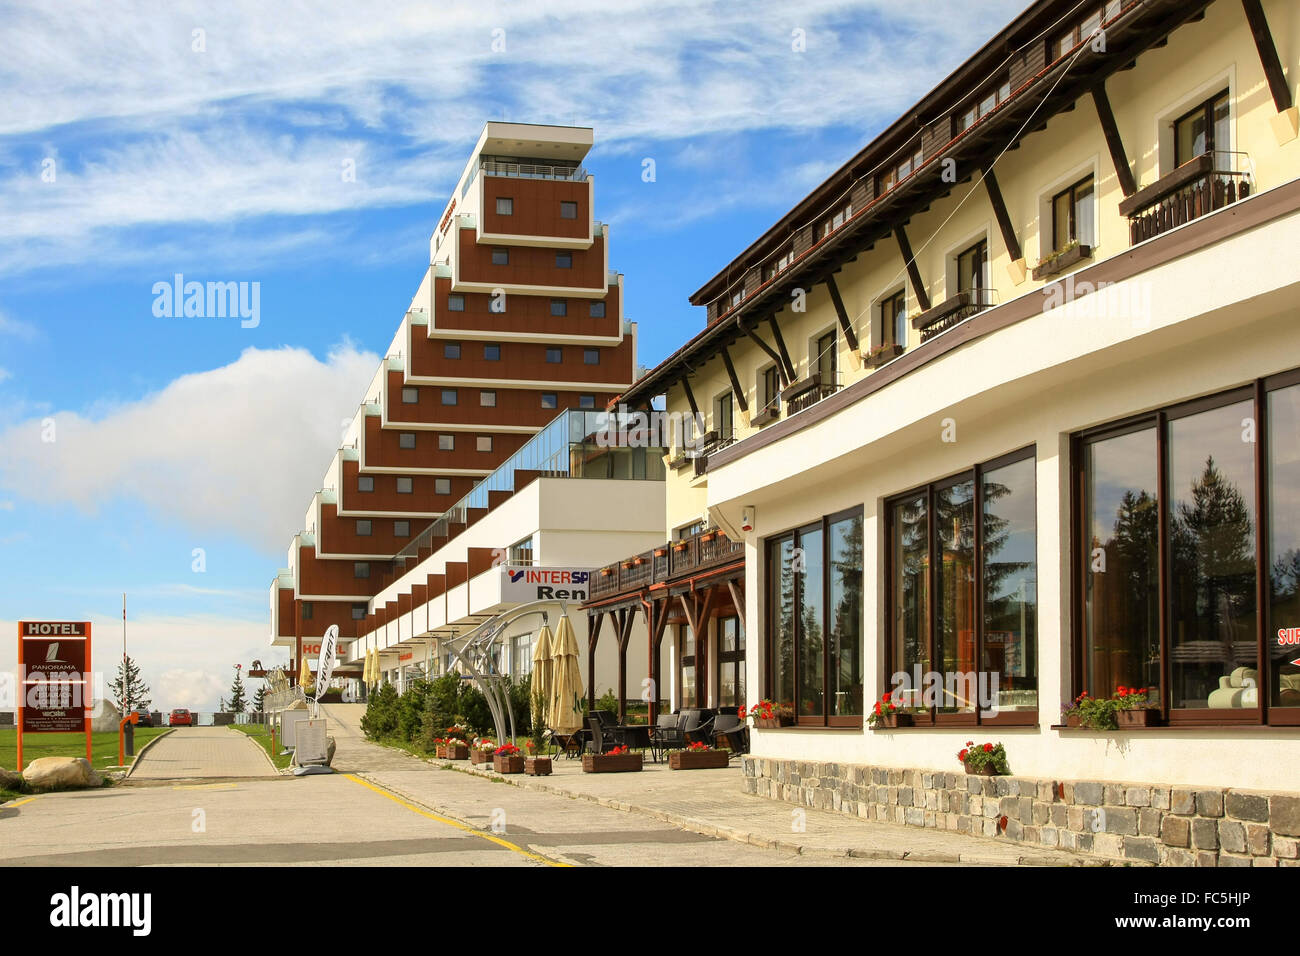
(53, 680)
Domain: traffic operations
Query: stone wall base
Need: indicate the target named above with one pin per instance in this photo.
(1169, 826)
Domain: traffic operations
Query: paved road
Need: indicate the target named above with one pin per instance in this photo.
(189, 753)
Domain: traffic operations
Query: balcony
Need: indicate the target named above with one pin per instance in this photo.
(953, 311)
(1194, 189)
(664, 565)
(575, 174)
(711, 442)
(806, 393)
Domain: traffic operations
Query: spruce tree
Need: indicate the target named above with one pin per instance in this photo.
(259, 700)
(238, 701)
(128, 690)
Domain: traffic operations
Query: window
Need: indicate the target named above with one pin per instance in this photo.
(492, 353)
(410, 396)
(824, 358)
(1206, 129)
(549, 400)
(405, 486)
(446, 443)
(893, 319)
(487, 399)
(554, 356)
(568, 210)
(731, 662)
(401, 529)
(456, 303)
(308, 609)
(723, 417)
(686, 667)
(484, 443)
(986, 104)
(505, 206)
(358, 612)
(450, 396)
(451, 350)
(1072, 216)
(586, 401)
(365, 483)
(406, 440)
(815, 612)
(962, 594)
(521, 656)
(501, 257)
(442, 486)
(596, 310)
(559, 307)
(591, 356)
(892, 177)
(771, 390)
(1083, 30)
(361, 569)
(564, 260)
(1169, 512)
(835, 220)
(521, 552)
(971, 267)
(363, 527)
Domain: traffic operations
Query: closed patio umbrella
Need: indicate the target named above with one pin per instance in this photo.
(566, 714)
(542, 684)
(366, 670)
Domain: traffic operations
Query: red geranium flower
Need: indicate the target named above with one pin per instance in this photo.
(962, 756)
(988, 748)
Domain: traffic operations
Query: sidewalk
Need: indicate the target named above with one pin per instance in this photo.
(200, 753)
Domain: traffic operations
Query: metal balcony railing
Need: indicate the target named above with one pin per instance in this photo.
(954, 311)
(1194, 189)
(533, 171)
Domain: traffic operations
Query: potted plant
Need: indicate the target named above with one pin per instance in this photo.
(767, 715)
(1133, 708)
(508, 759)
(888, 715)
(984, 760)
(698, 756)
(1127, 707)
(881, 354)
(618, 760)
(482, 751)
(1061, 259)
(440, 747)
(536, 765)
(457, 746)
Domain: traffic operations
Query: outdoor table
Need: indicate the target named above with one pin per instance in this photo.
(636, 736)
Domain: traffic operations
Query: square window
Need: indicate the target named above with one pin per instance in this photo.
(505, 206)
(363, 527)
(596, 310)
(549, 400)
(559, 307)
(358, 612)
(587, 401)
(308, 608)
(501, 257)
(450, 396)
(405, 486)
(564, 260)
(568, 210)
(484, 443)
(456, 303)
(451, 350)
(406, 440)
(365, 483)
(492, 353)
(591, 356)
(446, 443)
(554, 356)
(361, 569)
(442, 486)
(401, 529)
(487, 399)
(410, 396)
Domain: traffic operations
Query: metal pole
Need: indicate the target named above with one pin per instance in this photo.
(126, 686)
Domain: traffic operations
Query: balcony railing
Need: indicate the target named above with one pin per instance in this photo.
(1194, 189)
(806, 393)
(714, 442)
(533, 171)
(663, 565)
(953, 311)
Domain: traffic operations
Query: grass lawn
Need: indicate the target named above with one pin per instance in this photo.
(103, 746)
(262, 736)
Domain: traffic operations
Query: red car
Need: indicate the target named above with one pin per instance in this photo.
(181, 718)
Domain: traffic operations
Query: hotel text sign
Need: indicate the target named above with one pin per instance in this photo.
(520, 585)
(53, 663)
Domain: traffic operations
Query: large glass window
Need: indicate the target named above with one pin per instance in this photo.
(731, 662)
(1072, 216)
(1205, 129)
(971, 267)
(963, 594)
(815, 620)
(1282, 636)
(893, 319)
(686, 666)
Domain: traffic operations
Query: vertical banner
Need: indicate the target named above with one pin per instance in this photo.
(53, 680)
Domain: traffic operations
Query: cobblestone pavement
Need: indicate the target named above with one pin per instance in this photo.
(201, 753)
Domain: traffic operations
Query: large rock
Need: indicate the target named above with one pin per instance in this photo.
(61, 773)
(10, 780)
(329, 751)
(105, 717)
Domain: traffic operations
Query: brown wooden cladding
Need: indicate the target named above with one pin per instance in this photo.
(284, 612)
(326, 576)
(520, 361)
(1026, 64)
(323, 615)
(529, 314)
(803, 240)
(480, 560)
(383, 445)
(936, 136)
(863, 193)
(339, 535)
(422, 499)
(532, 265)
(536, 205)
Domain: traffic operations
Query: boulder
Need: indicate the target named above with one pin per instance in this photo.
(329, 751)
(9, 780)
(105, 717)
(61, 773)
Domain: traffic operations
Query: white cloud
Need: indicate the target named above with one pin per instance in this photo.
(5, 374)
(12, 326)
(234, 450)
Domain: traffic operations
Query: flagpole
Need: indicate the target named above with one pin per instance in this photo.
(126, 685)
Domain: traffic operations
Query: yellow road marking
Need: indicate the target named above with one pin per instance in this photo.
(454, 823)
(19, 803)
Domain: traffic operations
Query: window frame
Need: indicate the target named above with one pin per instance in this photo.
(564, 260)
(365, 528)
(596, 309)
(447, 441)
(488, 356)
(1205, 109)
(398, 531)
(410, 395)
(591, 356)
(734, 659)
(568, 209)
(451, 351)
(406, 441)
(410, 487)
(897, 303)
(554, 397)
(456, 302)
(438, 484)
(1072, 230)
(562, 305)
(483, 443)
(501, 256)
(455, 397)
(554, 355)
(508, 209)
(363, 481)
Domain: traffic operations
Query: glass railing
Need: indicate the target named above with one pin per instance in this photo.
(533, 171)
(577, 444)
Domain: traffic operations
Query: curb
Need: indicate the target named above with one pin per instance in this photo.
(144, 750)
(260, 749)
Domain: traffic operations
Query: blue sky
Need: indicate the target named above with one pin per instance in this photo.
(209, 140)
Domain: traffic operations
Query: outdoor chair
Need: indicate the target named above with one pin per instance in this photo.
(696, 726)
(731, 731)
(603, 739)
(571, 745)
(666, 736)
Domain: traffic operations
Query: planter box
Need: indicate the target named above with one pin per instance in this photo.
(892, 721)
(478, 757)
(610, 763)
(1063, 262)
(440, 751)
(1145, 717)
(537, 766)
(508, 763)
(697, 760)
(771, 723)
(878, 357)
(457, 752)
(987, 771)
(1073, 720)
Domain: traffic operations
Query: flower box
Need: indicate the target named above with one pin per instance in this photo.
(440, 751)
(537, 766)
(1138, 717)
(771, 723)
(988, 770)
(885, 353)
(697, 760)
(456, 752)
(478, 757)
(508, 763)
(892, 721)
(610, 763)
(1059, 262)
(1073, 720)
(660, 552)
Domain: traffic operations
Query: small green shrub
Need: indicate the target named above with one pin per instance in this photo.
(380, 718)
